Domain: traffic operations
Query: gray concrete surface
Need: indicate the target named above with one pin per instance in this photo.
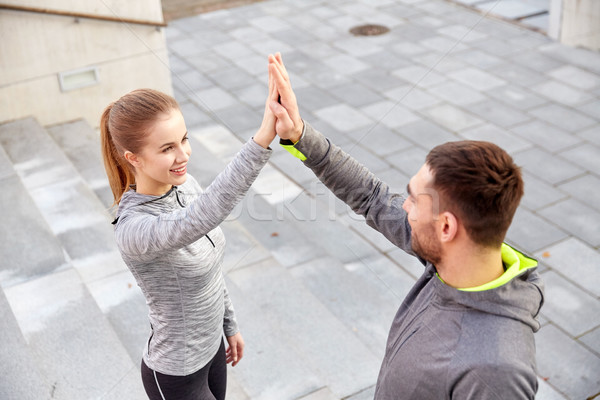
(315, 289)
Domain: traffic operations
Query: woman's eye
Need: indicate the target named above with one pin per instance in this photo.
(167, 149)
(184, 139)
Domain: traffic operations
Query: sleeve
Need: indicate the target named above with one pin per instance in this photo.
(355, 185)
(141, 233)
(230, 326)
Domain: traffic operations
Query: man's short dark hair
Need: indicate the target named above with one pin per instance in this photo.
(479, 183)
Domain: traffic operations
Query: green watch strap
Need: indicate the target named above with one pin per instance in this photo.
(289, 146)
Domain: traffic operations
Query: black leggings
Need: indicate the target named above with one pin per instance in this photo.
(209, 383)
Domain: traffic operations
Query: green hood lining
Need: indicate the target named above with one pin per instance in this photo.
(516, 263)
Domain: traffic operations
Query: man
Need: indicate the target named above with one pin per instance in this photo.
(465, 330)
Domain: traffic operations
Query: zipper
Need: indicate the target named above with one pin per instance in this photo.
(210, 240)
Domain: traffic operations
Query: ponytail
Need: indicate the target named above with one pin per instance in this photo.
(119, 173)
(123, 127)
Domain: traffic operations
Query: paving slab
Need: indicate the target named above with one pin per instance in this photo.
(547, 392)
(268, 349)
(379, 140)
(477, 79)
(546, 167)
(574, 310)
(591, 134)
(357, 223)
(381, 284)
(413, 98)
(270, 226)
(563, 117)
(576, 218)
(366, 394)
(533, 232)
(539, 194)
(580, 57)
(562, 93)
(592, 340)
(546, 136)
(585, 189)
(498, 113)
(477, 58)
(313, 98)
(293, 168)
(518, 74)
(574, 259)
(427, 135)
(584, 155)
(592, 108)
(343, 363)
(321, 394)
(408, 161)
(456, 93)
(516, 96)
(453, 118)
(332, 236)
(495, 134)
(575, 375)
(391, 114)
(419, 76)
(355, 94)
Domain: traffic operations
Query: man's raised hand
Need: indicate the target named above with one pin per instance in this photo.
(289, 125)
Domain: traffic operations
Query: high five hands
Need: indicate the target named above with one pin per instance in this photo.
(288, 123)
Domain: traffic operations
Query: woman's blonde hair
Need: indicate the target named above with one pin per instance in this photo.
(123, 127)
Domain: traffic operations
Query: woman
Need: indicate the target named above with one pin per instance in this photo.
(167, 230)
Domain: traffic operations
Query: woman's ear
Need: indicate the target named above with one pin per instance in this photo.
(448, 225)
(132, 159)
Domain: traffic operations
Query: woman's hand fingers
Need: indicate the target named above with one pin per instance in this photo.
(235, 352)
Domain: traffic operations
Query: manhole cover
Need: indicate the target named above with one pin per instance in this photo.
(369, 30)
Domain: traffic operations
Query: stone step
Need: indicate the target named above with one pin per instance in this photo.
(81, 144)
(28, 246)
(74, 302)
(22, 378)
(72, 342)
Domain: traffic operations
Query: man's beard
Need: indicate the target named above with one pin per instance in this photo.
(426, 244)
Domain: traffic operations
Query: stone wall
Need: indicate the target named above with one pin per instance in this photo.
(39, 49)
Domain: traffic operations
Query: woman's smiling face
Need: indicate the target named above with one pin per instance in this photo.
(162, 163)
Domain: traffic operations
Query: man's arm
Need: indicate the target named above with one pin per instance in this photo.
(355, 185)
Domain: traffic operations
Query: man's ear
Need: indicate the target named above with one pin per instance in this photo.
(448, 226)
(132, 159)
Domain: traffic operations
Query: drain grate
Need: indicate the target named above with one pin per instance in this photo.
(369, 30)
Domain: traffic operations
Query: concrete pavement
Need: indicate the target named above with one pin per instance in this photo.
(314, 288)
(443, 72)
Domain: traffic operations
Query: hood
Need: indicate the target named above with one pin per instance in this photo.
(518, 294)
(156, 204)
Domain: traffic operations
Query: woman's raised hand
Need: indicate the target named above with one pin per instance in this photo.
(289, 125)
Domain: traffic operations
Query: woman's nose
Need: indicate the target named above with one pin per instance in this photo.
(182, 154)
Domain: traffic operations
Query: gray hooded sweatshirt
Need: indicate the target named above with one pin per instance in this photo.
(444, 343)
(174, 247)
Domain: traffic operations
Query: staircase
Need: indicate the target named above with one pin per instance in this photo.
(73, 317)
